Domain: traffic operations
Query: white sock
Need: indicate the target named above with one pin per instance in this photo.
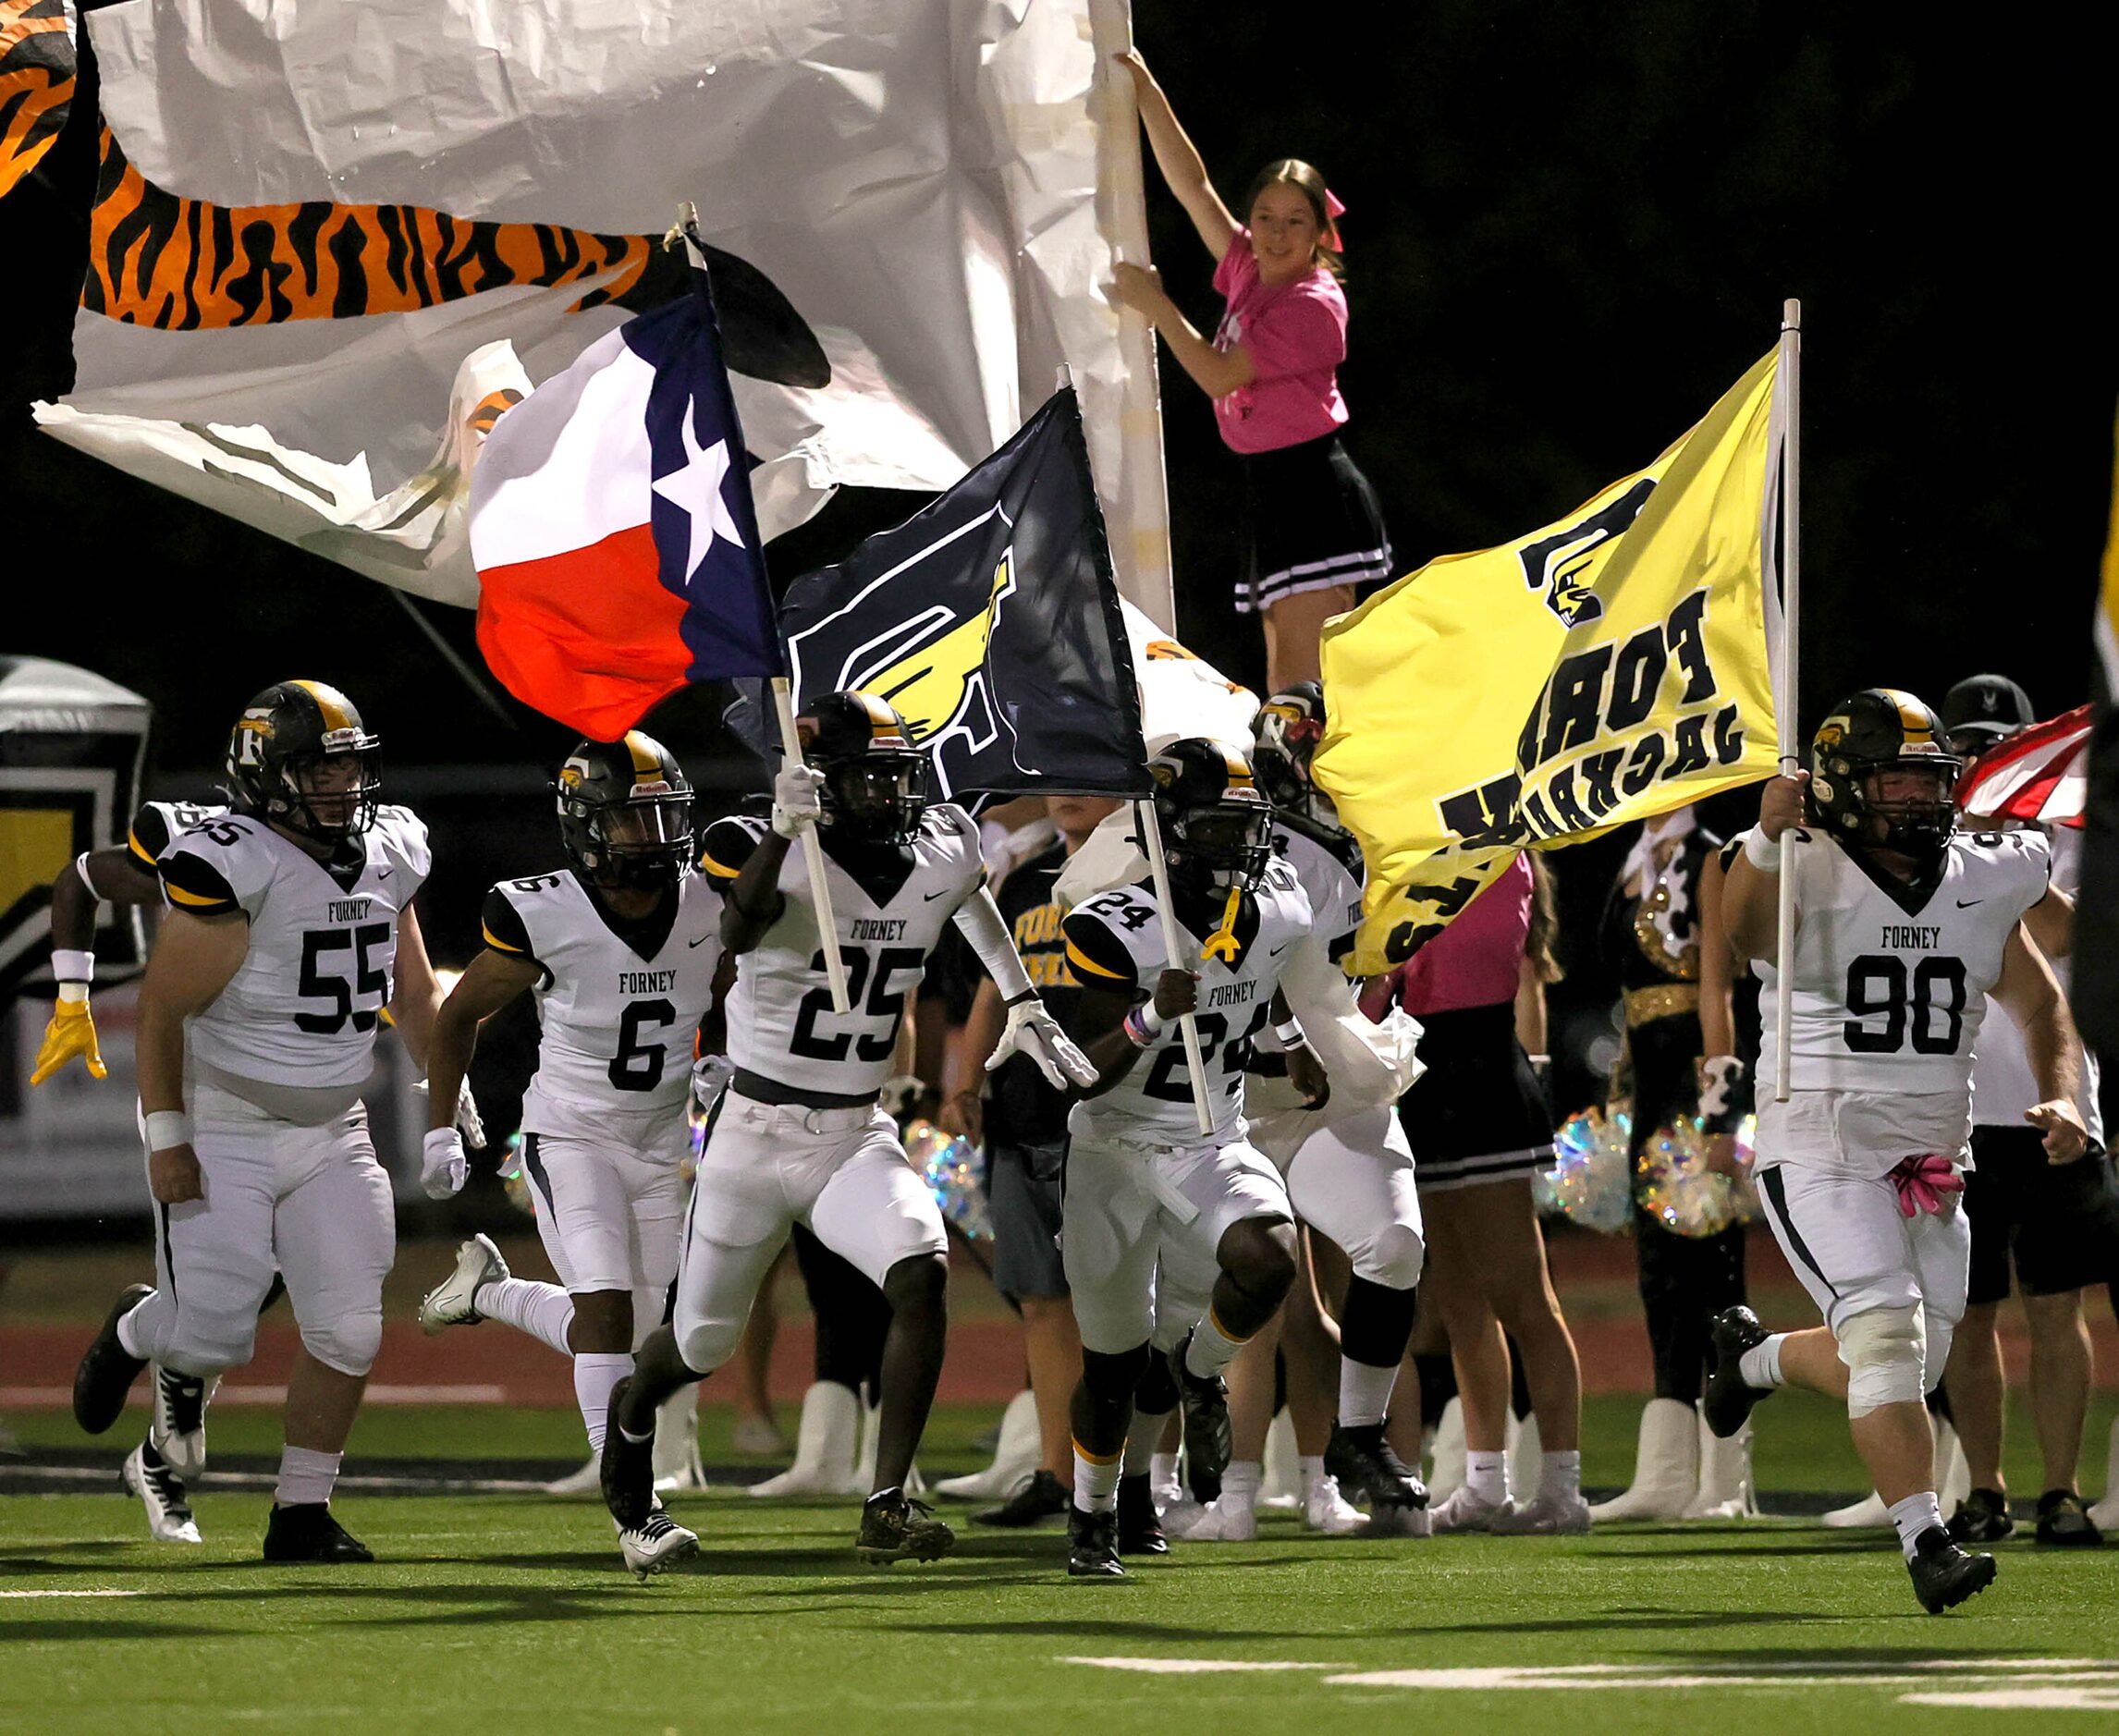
(596, 1373)
(1141, 1442)
(1240, 1481)
(1312, 1467)
(127, 1342)
(305, 1477)
(1914, 1515)
(1485, 1475)
(1561, 1475)
(1097, 1482)
(544, 1311)
(1364, 1393)
(1162, 1466)
(1760, 1365)
(1212, 1349)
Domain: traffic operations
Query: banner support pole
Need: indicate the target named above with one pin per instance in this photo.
(813, 854)
(1173, 955)
(1790, 385)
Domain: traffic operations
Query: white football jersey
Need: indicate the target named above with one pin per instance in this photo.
(302, 1008)
(1890, 981)
(1114, 941)
(2003, 1084)
(158, 822)
(890, 907)
(620, 1011)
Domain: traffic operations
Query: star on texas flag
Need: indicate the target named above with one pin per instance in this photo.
(611, 524)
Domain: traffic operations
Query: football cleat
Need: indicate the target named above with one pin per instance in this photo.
(161, 1492)
(1221, 1521)
(1462, 1511)
(1140, 1530)
(1400, 1521)
(1545, 1514)
(894, 1527)
(626, 1470)
(1729, 1396)
(179, 1428)
(1981, 1517)
(1093, 1545)
(307, 1532)
(657, 1543)
(2065, 1522)
(454, 1301)
(1208, 1436)
(1944, 1575)
(1366, 1467)
(1326, 1509)
(1039, 1497)
(107, 1369)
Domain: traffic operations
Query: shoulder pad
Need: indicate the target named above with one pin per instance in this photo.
(1096, 930)
(402, 834)
(502, 923)
(728, 845)
(193, 881)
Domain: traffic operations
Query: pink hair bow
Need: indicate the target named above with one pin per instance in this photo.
(1925, 1182)
(1333, 208)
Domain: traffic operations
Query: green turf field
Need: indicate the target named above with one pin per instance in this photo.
(511, 1613)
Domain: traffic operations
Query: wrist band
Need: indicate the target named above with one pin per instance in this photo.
(167, 1127)
(1290, 1033)
(1142, 1025)
(69, 966)
(1763, 854)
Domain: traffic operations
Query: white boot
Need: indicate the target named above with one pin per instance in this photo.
(1666, 1466)
(677, 1462)
(1526, 1459)
(1016, 1455)
(1446, 1454)
(825, 1442)
(1725, 1487)
(1282, 1483)
(1953, 1475)
(2105, 1515)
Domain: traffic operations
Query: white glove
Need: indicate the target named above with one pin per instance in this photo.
(797, 807)
(468, 1119)
(443, 1166)
(1034, 1031)
(710, 1077)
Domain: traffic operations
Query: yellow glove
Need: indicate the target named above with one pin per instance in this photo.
(70, 1033)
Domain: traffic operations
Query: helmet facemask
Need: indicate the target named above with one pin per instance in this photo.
(876, 798)
(1227, 844)
(642, 843)
(325, 797)
(1917, 810)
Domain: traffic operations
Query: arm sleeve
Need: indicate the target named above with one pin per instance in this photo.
(978, 920)
(503, 929)
(727, 845)
(1096, 955)
(1302, 333)
(192, 883)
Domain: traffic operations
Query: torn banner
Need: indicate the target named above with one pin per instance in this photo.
(331, 244)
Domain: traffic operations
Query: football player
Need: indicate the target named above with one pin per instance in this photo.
(798, 1136)
(1904, 928)
(291, 929)
(620, 949)
(1175, 1241)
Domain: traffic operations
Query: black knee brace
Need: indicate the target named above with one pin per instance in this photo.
(1377, 1323)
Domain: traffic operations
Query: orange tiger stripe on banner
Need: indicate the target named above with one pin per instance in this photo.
(184, 264)
(36, 83)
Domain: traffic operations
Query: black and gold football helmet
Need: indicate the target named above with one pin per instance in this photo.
(1217, 825)
(875, 779)
(625, 813)
(300, 757)
(1878, 731)
(1287, 730)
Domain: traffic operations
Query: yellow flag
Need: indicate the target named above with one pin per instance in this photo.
(1607, 667)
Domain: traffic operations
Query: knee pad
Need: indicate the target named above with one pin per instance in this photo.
(1112, 1379)
(1885, 1351)
(208, 1342)
(1394, 1258)
(705, 1344)
(349, 1344)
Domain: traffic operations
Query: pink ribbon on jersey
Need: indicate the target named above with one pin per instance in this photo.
(1925, 1184)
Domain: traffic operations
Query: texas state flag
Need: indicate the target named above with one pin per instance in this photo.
(611, 524)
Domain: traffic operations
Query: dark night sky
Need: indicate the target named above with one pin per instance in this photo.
(1570, 229)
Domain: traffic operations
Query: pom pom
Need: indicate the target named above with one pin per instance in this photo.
(1590, 1181)
(954, 1170)
(1674, 1185)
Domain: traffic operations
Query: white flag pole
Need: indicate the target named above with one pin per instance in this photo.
(1790, 385)
(813, 854)
(1138, 510)
(1173, 955)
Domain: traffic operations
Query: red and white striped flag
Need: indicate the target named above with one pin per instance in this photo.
(2041, 773)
